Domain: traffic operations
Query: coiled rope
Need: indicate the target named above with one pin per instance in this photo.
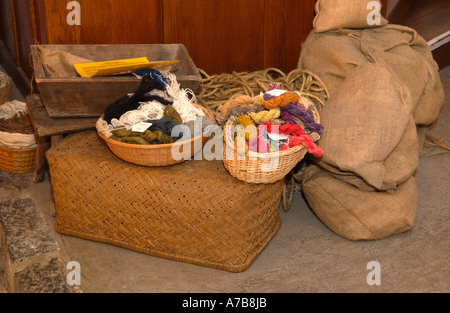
(245, 87)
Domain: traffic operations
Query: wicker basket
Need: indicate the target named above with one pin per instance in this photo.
(17, 161)
(5, 88)
(265, 168)
(155, 155)
(193, 212)
(17, 158)
(260, 168)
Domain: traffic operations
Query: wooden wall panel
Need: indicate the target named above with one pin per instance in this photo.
(57, 29)
(220, 35)
(287, 25)
(6, 28)
(24, 32)
(122, 21)
(105, 22)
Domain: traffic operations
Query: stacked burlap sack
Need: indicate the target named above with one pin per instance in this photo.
(384, 89)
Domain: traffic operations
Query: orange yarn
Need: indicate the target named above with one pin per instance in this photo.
(282, 100)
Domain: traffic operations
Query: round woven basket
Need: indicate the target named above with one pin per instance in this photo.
(16, 158)
(264, 168)
(18, 161)
(156, 155)
(5, 88)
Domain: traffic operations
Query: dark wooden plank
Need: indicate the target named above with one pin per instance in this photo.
(25, 35)
(40, 21)
(46, 126)
(430, 18)
(401, 11)
(384, 5)
(441, 55)
(287, 24)
(21, 80)
(40, 165)
(6, 28)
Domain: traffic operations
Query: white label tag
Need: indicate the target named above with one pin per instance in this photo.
(276, 92)
(115, 123)
(141, 127)
(278, 137)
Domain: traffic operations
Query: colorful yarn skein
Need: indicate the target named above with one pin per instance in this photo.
(281, 101)
(265, 116)
(298, 137)
(146, 138)
(249, 126)
(291, 110)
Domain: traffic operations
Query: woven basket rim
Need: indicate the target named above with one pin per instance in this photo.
(161, 146)
(147, 147)
(11, 133)
(19, 149)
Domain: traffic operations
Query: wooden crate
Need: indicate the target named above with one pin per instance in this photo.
(89, 96)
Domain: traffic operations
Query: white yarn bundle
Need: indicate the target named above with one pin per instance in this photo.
(147, 111)
(182, 102)
(182, 99)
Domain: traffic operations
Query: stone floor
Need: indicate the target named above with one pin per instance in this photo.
(304, 256)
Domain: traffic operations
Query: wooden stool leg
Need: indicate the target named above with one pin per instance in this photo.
(41, 162)
(57, 138)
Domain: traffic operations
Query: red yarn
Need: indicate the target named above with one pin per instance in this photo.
(305, 140)
(286, 129)
(298, 137)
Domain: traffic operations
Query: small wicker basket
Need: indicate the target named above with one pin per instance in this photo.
(264, 168)
(14, 160)
(260, 168)
(18, 161)
(156, 155)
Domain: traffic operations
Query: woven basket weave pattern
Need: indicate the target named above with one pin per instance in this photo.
(17, 161)
(193, 212)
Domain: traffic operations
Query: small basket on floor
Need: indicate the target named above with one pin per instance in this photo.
(18, 161)
(17, 149)
(156, 155)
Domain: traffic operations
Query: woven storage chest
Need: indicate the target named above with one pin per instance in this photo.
(193, 212)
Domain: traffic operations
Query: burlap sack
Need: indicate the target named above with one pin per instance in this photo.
(336, 14)
(400, 165)
(364, 122)
(359, 215)
(332, 55)
(59, 63)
